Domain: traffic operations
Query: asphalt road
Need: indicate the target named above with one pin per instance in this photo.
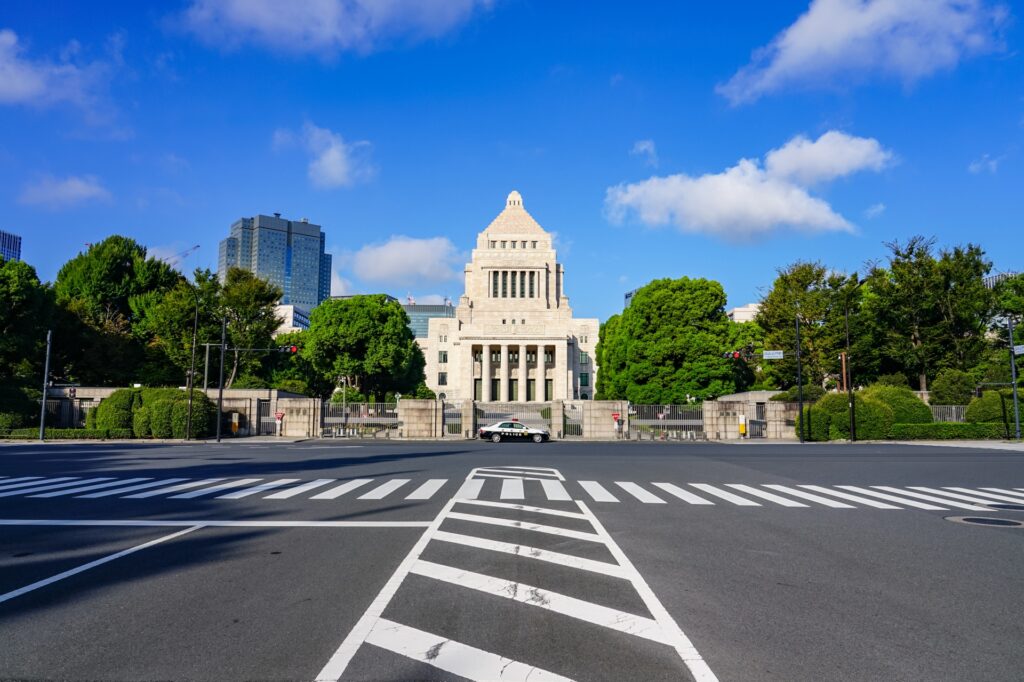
(467, 560)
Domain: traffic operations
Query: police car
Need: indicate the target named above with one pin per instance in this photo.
(513, 430)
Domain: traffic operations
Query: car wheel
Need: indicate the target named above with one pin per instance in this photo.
(496, 438)
(538, 438)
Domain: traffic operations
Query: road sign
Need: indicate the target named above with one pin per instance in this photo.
(772, 355)
(1018, 350)
(615, 416)
(279, 416)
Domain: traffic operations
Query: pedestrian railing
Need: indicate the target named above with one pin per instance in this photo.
(359, 420)
(666, 422)
(949, 413)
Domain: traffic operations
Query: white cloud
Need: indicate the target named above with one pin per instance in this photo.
(406, 261)
(53, 192)
(431, 299)
(831, 156)
(339, 285)
(874, 210)
(749, 199)
(984, 163)
(845, 41)
(42, 83)
(324, 26)
(646, 149)
(333, 162)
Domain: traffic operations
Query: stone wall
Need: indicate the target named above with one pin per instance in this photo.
(421, 419)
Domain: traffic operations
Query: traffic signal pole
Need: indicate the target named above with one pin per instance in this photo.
(1013, 374)
(220, 384)
(46, 380)
(799, 382)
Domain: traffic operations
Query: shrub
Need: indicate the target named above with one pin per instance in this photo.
(160, 418)
(817, 423)
(906, 407)
(898, 380)
(993, 407)
(90, 418)
(16, 408)
(62, 434)
(116, 411)
(120, 433)
(952, 387)
(812, 394)
(873, 417)
(947, 431)
(140, 423)
(292, 386)
(149, 396)
(249, 381)
(202, 411)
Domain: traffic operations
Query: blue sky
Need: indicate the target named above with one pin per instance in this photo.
(718, 140)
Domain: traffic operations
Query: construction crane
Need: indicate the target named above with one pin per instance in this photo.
(176, 258)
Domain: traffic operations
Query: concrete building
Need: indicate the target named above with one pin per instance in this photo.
(513, 337)
(744, 313)
(293, 319)
(289, 254)
(10, 246)
(420, 315)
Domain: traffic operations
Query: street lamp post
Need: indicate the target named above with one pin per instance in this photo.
(799, 382)
(848, 369)
(192, 365)
(1013, 375)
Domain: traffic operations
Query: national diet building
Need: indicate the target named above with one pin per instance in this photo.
(513, 337)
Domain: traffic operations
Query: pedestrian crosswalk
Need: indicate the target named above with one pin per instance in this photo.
(505, 486)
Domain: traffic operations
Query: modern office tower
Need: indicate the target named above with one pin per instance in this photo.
(289, 254)
(10, 246)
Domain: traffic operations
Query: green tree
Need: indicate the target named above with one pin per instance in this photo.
(952, 387)
(248, 303)
(171, 320)
(667, 346)
(366, 340)
(26, 312)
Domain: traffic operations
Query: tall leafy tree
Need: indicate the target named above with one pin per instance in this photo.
(171, 320)
(26, 311)
(667, 346)
(248, 303)
(366, 340)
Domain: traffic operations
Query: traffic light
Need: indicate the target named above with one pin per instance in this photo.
(732, 355)
(291, 350)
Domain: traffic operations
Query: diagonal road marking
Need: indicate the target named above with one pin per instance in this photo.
(526, 507)
(427, 490)
(214, 489)
(771, 497)
(684, 495)
(85, 488)
(931, 498)
(270, 485)
(591, 565)
(131, 488)
(725, 495)
(536, 527)
(385, 489)
(852, 498)
(892, 498)
(52, 486)
(172, 489)
(299, 489)
(340, 490)
(809, 496)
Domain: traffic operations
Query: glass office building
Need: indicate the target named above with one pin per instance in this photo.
(10, 246)
(420, 315)
(289, 254)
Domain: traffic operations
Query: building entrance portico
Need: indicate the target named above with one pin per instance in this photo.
(513, 337)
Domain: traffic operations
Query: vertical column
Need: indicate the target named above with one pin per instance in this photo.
(522, 373)
(503, 374)
(465, 380)
(485, 374)
(560, 370)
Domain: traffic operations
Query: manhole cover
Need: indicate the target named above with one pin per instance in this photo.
(986, 521)
(1006, 506)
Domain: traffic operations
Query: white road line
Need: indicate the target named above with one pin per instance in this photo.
(51, 486)
(597, 491)
(639, 493)
(525, 507)
(852, 498)
(427, 490)
(340, 490)
(172, 489)
(992, 496)
(511, 472)
(892, 498)
(684, 495)
(518, 477)
(512, 489)
(470, 490)
(94, 486)
(525, 525)
(956, 496)
(92, 564)
(299, 489)
(228, 523)
(596, 614)
(445, 654)
(22, 480)
(725, 495)
(750, 490)
(684, 647)
(214, 489)
(1005, 492)
(131, 488)
(601, 567)
(548, 470)
(381, 491)
(932, 498)
(809, 496)
(555, 491)
(239, 494)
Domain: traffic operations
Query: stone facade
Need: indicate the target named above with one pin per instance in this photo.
(513, 337)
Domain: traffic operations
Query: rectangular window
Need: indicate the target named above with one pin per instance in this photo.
(531, 390)
(477, 388)
(495, 357)
(584, 379)
(584, 358)
(524, 245)
(513, 356)
(495, 387)
(535, 245)
(531, 356)
(513, 282)
(549, 389)
(493, 244)
(513, 390)
(503, 245)
(478, 356)
(494, 289)
(504, 284)
(549, 357)
(442, 378)
(442, 356)
(532, 278)
(522, 284)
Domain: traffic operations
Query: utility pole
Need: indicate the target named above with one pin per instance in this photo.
(848, 366)
(46, 380)
(799, 381)
(1013, 374)
(220, 386)
(206, 366)
(192, 367)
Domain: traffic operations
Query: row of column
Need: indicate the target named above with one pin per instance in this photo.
(528, 283)
(504, 372)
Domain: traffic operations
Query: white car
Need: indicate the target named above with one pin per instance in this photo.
(513, 430)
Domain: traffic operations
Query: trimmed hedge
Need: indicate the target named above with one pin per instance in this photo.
(16, 408)
(951, 387)
(90, 418)
(160, 418)
(947, 431)
(201, 416)
(817, 423)
(874, 418)
(812, 394)
(906, 407)
(115, 412)
(120, 433)
(140, 423)
(63, 434)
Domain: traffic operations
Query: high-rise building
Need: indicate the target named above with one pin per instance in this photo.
(289, 254)
(10, 246)
(420, 315)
